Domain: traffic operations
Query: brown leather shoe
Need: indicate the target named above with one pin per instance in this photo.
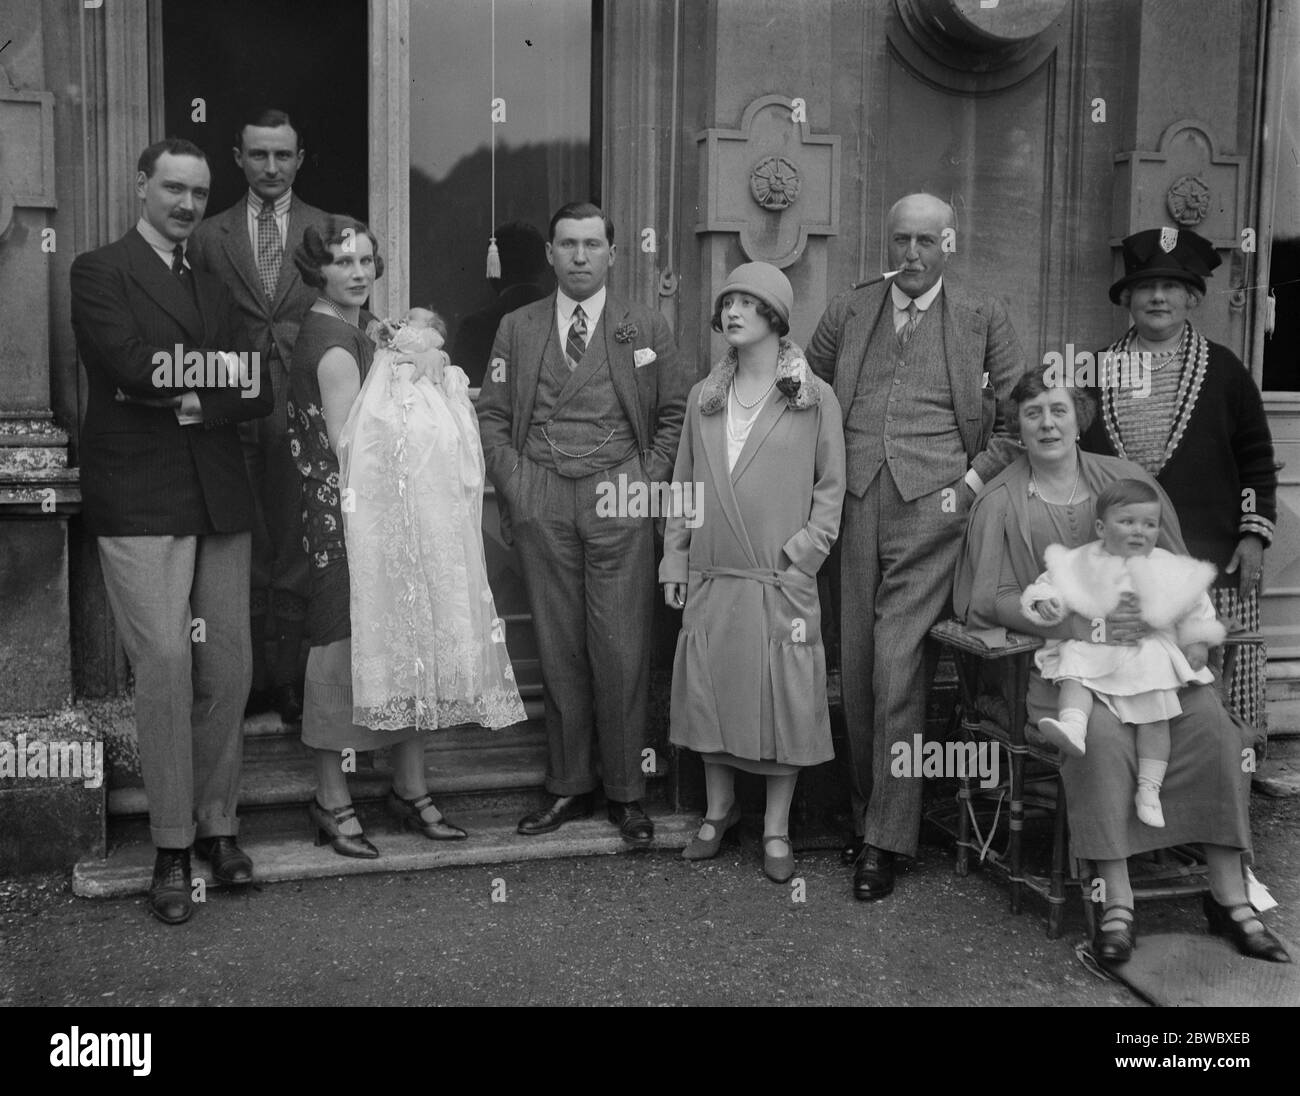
(564, 809)
(633, 824)
(170, 899)
(231, 866)
(873, 878)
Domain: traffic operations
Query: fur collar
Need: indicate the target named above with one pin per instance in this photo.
(793, 378)
(1089, 581)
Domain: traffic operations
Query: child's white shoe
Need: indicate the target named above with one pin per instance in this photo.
(1147, 802)
(1069, 738)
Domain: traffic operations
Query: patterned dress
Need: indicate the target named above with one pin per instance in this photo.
(327, 700)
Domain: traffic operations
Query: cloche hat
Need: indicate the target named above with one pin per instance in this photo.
(761, 280)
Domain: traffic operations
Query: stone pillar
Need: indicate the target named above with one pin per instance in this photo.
(48, 817)
(1182, 120)
(769, 173)
(38, 491)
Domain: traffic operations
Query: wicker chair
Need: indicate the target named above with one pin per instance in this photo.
(1034, 790)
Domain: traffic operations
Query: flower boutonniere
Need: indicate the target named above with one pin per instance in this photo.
(625, 333)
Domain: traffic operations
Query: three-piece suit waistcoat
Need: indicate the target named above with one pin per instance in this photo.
(580, 413)
(902, 412)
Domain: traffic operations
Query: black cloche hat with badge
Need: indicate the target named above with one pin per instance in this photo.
(1177, 253)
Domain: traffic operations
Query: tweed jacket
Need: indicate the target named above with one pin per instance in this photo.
(984, 362)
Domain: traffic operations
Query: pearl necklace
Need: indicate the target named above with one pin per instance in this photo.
(735, 391)
(1164, 357)
(331, 306)
(738, 425)
(1034, 489)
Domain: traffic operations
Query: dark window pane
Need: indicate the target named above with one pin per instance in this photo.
(543, 74)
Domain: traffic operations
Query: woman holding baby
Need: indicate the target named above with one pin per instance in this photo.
(332, 362)
(1051, 496)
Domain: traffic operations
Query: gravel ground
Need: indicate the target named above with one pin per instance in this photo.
(635, 929)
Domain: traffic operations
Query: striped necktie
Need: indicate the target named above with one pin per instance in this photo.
(270, 249)
(575, 345)
(908, 329)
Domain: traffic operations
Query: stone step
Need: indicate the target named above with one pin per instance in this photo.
(1284, 718)
(466, 768)
(1283, 680)
(279, 855)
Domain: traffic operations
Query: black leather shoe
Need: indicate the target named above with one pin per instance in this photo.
(231, 866)
(850, 853)
(873, 878)
(1254, 943)
(410, 812)
(633, 824)
(1115, 944)
(170, 899)
(328, 823)
(564, 809)
(284, 699)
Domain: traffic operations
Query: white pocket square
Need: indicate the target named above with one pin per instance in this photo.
(644, 356)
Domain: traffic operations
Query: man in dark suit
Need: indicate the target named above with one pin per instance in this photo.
(583, 388)
(250, 248)
(916, 365)
(165, 491)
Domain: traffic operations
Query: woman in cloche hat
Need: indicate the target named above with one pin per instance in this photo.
(761, 462)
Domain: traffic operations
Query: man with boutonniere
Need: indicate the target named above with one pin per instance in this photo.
(583, 388)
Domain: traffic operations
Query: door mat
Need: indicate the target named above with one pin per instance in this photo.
(1196, 969)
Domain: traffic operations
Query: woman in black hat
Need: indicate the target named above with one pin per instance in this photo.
(1192, 416)
(1200, 430)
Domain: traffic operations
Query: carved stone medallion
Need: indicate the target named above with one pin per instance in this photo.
(1188, 199)
(775, 183)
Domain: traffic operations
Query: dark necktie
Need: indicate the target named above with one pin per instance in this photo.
(576, 343)
(178, 264)
(270, 249)
(908, 329)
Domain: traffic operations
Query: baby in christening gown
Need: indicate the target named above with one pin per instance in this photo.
(428, 649)
(1138, 682)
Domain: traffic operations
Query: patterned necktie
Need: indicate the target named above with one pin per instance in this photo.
(270, 249)
(908, 329)
(576, 343)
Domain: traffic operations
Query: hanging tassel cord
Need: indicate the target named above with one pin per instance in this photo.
(493, 255)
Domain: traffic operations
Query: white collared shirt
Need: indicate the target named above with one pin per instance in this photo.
(902, 300)
(592, 307)
(255, 204)
(162, 246)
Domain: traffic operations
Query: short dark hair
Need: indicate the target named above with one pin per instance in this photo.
(762, 308)
(580, 211)
(1123, 492)
(1034, 384)
(313, 254)
(266, 118)
(173, 146)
